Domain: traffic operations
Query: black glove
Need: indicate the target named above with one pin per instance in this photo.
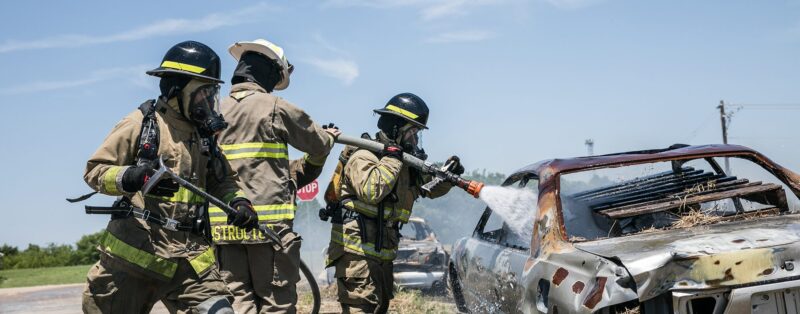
(136, 176)
(455, 167)
(330, 126)
(245, 216)
(392, 151)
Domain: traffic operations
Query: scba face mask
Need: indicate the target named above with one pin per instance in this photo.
(202, 107)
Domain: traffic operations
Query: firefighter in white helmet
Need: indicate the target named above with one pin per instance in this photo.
(262, 126)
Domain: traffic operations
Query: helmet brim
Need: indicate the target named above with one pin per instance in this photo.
(414, 122)
(162, 71)
(238, 49)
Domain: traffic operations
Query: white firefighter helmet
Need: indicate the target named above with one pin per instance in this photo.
(269, 50)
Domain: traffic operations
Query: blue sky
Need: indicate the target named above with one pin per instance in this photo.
(509, 82)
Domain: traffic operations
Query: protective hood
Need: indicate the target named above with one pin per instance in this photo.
(255, 68)
(198, 102)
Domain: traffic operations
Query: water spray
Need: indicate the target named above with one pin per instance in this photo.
(440, 174)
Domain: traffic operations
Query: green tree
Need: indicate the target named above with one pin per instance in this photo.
(86, 249)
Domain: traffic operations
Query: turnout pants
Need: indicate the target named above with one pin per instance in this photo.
(261, 279)
(364, 285)
(113, 287)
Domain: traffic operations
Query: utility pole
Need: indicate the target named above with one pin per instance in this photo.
(589, 147)
(724, 122)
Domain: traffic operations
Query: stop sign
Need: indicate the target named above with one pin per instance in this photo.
(308, 192)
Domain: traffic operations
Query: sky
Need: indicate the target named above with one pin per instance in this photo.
(508, 82)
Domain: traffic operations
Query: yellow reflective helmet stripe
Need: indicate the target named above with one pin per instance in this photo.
(182, 66)
(256, 150)
(116, 247)
(203, 261)
(110, 180)
(402, 111)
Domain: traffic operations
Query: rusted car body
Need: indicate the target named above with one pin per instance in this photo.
(619, 246)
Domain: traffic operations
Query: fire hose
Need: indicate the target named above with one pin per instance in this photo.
(276, 241)
(440, 174)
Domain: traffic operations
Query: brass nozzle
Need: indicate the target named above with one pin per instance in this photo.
(474, 188)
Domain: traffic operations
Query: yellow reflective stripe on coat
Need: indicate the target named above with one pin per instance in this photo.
(265, 213)
(114, 246)
(366, 209)
(354, 243)
(110, 180)
(202, 262)
(402, 111)
(256, 150)
(182, 196)
(182, 66)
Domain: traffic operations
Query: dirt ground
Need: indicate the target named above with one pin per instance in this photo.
(405, 301)
(66, 299)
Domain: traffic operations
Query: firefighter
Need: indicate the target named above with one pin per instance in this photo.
(153, 249)
(262, 127)
(376, 194)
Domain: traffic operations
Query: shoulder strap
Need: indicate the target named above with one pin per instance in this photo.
(149, 137)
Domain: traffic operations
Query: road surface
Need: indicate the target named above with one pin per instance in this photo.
(56, 299)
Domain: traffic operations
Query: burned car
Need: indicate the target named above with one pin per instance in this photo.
(658, 231)
(421, 261)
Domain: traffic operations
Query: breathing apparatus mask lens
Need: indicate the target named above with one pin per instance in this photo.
(204, 110)
(410, 141)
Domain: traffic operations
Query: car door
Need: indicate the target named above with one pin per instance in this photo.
(498, 256)
(511, 261)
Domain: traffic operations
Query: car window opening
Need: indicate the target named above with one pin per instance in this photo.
(620, 201)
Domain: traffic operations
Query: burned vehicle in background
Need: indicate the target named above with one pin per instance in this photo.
(421, 261)
(658, 231)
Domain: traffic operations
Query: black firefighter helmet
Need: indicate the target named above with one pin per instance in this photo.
(409, 107)
(190, 58)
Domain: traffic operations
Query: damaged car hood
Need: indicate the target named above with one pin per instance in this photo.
(703, 257)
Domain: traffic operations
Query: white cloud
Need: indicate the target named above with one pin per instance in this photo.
(460, 36)
(159, 28)
(341, 69)
(134, 73)
(428, 9)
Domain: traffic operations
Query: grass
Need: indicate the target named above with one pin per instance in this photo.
(12, 278)
(405, 301)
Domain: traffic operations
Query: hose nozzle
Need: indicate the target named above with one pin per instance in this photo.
(471, 186)
(474, 188)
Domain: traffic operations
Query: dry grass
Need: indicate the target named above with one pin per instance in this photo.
(693, 218)
(405, 302)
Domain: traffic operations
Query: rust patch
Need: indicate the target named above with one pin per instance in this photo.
(596, 294)
(738, 241)
(716, 262)
(739, 263)
(767, 271)
(577, 287)
(560, 275)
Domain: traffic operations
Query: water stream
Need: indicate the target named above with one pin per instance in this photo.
(516, 206)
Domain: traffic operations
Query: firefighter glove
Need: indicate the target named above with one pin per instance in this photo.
(392, 151)
(245, 216)
(136, 176)
(455, 165)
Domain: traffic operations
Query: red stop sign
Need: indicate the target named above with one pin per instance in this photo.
(308, 192)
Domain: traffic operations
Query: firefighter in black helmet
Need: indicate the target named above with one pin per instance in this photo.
(154, 248)
(377, 193)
